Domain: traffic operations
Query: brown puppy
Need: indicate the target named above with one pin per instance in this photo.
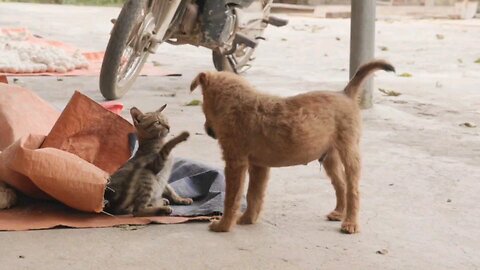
(257, 131)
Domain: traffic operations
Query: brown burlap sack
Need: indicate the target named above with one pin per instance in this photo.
(91, 132)
(64, 176)
(22, 112)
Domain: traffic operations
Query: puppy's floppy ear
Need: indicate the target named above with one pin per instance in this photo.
(201, 79)
(162, 108)
(135, 113)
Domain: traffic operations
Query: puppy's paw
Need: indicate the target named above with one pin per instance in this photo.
(335, 216)
(246, 220)
(350, 227)
(219, 226)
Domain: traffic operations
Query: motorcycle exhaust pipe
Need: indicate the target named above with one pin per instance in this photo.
(275, 21)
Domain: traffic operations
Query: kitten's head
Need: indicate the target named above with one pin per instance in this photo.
(151, 124)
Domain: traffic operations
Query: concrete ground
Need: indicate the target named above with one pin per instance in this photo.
(420, 167)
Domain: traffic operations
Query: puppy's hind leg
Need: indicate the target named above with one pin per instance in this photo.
(334, 169)
(234, 178)
(255, 195)
(350, 156)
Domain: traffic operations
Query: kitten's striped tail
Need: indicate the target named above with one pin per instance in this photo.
(353, 87)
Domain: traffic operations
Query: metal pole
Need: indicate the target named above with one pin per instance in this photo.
(362, 42)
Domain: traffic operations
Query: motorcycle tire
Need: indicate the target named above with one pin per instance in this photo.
(221, 62)
(121, 32)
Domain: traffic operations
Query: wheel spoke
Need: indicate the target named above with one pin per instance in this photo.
(233, 62)
(135, 51)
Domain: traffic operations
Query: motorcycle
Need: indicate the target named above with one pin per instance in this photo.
(230, 28)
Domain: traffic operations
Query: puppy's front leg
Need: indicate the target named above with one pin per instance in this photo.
(256, 193)
(234, 178)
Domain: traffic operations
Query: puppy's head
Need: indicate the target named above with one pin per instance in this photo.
(222, 92)
(202, 80)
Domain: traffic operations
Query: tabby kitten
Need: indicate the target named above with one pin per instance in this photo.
(133, 187)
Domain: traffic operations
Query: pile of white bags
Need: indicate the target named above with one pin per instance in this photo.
(17, 55)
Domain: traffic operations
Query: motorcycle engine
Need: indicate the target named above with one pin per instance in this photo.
(218, 22)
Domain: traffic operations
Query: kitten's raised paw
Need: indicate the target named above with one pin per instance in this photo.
(350, 227)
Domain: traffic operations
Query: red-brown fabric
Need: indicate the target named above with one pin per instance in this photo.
(45, 215)
(91, 132)
(22, 112)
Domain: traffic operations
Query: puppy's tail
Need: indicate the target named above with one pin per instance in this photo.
(353, 87)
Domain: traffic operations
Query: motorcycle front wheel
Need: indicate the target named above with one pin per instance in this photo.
(127, 49)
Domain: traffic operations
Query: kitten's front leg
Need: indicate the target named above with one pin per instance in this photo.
(168, 146)
(170, 193)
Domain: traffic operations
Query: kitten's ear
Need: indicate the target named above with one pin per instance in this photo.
(162, 108)
(135, 113)
(201, 80)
